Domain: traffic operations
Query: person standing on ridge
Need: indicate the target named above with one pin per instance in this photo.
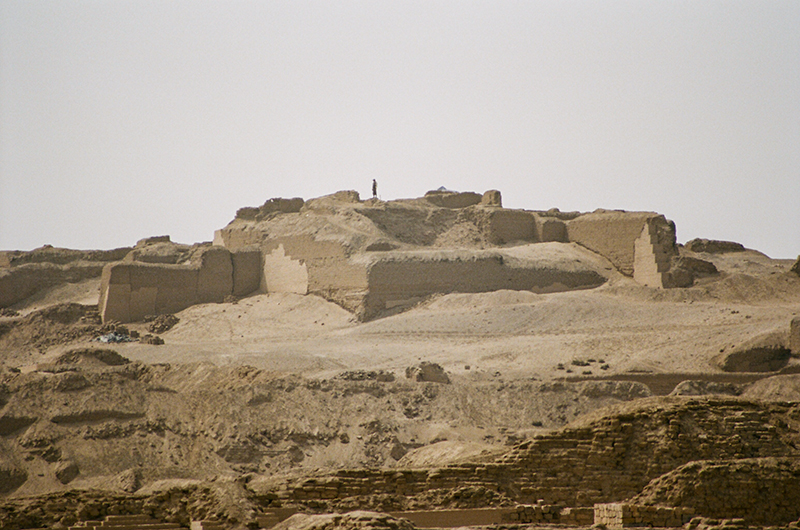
(374, 189)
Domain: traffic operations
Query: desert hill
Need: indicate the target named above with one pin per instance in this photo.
(320, 397)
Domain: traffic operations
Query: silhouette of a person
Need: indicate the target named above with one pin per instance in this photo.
(374, 189)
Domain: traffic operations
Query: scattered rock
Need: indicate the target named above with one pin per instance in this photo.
(380, 246)
(128, 481)
(155, 340)
(70, 382)
(429, 372)
(398, 451)
(296, 454)
(239, 453)
(160, 323)
(10, 424)
(380, 376)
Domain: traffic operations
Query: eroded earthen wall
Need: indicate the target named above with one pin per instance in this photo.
(613, 234)
(131, 290)
(246, 270)
(20, 282)
(283, 273)
(506, 226)
(402, 280)
(550, 229)
(794, 336)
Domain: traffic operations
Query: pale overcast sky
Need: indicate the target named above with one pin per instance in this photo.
(122, 119)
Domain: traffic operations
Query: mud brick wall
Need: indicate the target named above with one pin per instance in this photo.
(131, 290)
(404, 278)
(550, 229)
(612, 234)
(506, 226)
(20, 282)
(609, 460)
(762, 491)
(246, 270)
(615, 458)
(453, 199)
(794, 336)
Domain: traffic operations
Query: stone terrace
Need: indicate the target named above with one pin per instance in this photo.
(608, 460)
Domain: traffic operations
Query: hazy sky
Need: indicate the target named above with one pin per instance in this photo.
(124, 119)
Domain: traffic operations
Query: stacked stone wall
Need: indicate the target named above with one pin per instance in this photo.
(607, 461)
(762, 491)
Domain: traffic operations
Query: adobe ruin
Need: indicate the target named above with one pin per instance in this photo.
(372, 256)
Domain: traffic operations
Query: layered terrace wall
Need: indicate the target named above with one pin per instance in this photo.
(762, 491)
(335, 266)
(609, 460)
